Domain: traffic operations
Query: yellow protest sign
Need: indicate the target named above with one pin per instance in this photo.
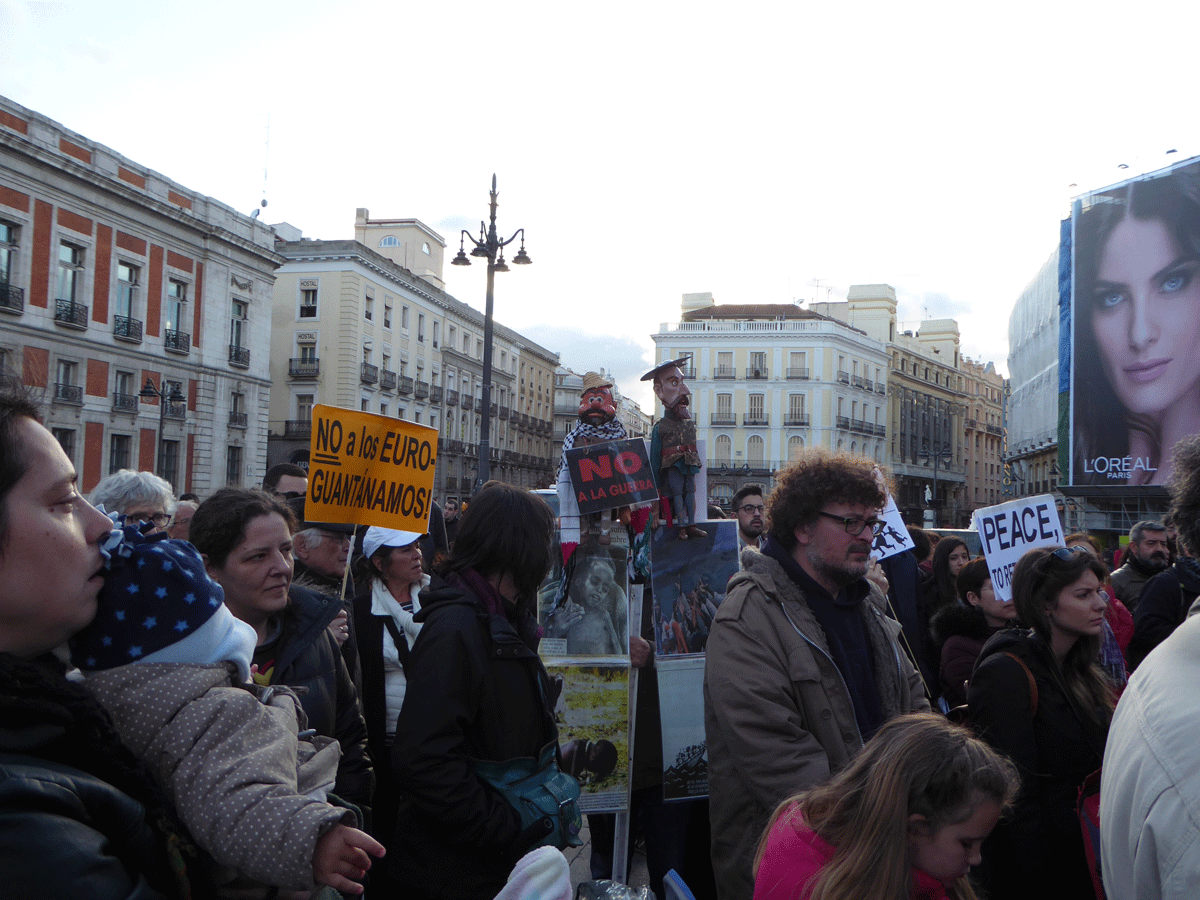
(366, 469)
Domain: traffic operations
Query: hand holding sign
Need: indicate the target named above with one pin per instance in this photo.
(1010, 529)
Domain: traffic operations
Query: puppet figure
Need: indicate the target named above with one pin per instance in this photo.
(598, 423)
(673, 455)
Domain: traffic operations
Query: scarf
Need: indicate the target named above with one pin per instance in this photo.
(590, 434)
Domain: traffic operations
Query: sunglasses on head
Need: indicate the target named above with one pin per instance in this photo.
(1066, 554)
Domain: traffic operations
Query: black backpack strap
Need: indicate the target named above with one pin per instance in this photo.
(398, 639)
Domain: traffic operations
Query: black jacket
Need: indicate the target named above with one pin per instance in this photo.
(1162, 608)
(476, 691)
(959, 633)
(65, 832)
(1039, 846)
(308, 659)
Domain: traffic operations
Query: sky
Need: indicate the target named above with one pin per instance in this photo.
(765, 152)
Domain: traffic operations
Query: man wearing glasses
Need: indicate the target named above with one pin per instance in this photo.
(751, 515)
(803, 664)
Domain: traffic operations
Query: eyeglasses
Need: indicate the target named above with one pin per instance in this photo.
(749, 508)
(854, 525)
(159, 519)
(288, 495)
(337, 538)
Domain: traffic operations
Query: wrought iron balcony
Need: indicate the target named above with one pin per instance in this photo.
(124, 402)
(797, 374)
(756, 373)
(456, 446)
(12, 298)
(239, 356)
(298, 429)
(177, 341)
(879, 388)
(369, 374)
(451, 397)
(422, 390)
(724, 373)
(67, 312)
(127, 329)
(503, 412)
(68, 393)
(305, 367)
(755, 420)
(689, 374)
(174, 410)
(994, 429)
(843, 377)
(406, 384)
(843, 422)
(722, 419)
(436, 392)
(387, 380)
(238, 419)
(796, 420)
(971, 424)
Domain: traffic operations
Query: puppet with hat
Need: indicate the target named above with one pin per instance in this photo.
(598, 423)
(674, 458)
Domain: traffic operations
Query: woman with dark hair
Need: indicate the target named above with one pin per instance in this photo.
(961, 629)
(79, 815)
(245, 538)
(1137, 326)
(941, 587)
(1040, 697)
(476, 692)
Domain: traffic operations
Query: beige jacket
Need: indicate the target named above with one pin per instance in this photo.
(777, 713)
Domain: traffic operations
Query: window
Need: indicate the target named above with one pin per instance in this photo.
(385, 362)
(304, 407)
(66, 440)
(176, 305)
(795, 406)
(123, 387)
(795, 445)
(754, 450)
(387, 314)
(369, 306)
(421, 327)
(466, 343)
(308, 299)
(365, 405)
(450, 336)
(389, 241)
(425, 247)
(383, 408)
(756, 407)
(308, 353)
(724, 404)
(8, 252)
(127, 285)
(404, 317)
(724, 449)
(118, 452)
(238, 316)
(233, 466)
(70, 269)
(436, 325)
(170, 461)
(478, 349)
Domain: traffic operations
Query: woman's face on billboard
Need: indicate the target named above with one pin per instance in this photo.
(1146, 316)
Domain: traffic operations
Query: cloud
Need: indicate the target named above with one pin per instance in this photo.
(624, 358)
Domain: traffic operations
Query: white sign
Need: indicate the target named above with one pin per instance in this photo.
(1010, 530)
(893, 538)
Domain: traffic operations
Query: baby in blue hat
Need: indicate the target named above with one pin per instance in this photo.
(171, 665)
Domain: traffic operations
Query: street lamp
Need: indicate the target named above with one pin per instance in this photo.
(488, 246)
(148, 392)
(938, 453)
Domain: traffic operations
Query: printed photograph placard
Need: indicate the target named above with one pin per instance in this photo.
(587, 613)
(685, 753)
(591, 708)
(689, 578)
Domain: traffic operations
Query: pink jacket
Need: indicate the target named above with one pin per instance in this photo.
(794, 855)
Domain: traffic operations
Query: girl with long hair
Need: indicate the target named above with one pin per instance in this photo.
(907, 817)
(941, 587)
(1040, 696)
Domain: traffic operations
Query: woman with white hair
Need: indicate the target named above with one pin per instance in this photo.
(138, 496)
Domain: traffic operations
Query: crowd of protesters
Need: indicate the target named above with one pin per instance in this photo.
(220, 697)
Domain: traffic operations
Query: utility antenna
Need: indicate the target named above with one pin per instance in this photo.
(266, 160)
(816, 282)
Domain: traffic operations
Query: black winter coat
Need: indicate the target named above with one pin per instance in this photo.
(476, 691)
(1038, 848)
(1162, 608)
(65, 832)
(309, 659)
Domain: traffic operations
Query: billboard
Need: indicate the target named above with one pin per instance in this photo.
(1134, 352)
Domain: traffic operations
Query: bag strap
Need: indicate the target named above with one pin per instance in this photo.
(398, 639)
(1033, 690)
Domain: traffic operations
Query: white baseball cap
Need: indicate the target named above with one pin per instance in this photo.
(377, 537)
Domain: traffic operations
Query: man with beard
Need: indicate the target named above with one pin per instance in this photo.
(673, 454)
(1146, 557)
(803, 664)
(751, 515)
(598, 423)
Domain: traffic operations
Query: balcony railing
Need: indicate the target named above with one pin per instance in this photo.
(406, 384)
(756, 373)
(456, 446)
(67, 312)
(124, 402)
(796, 420)
(797, 374)
(304, 368)
(879, 388)
(994, 429)
(435, 393)
(724, 373)
(238, 419)
(857, 381)
(971, 423)
(387, 380)
(843, 377)
(689, 374)
(451, 397)
(843, 422)
(369, 374)
(492, 409)
(177, 341)
(68, 393)
(722, 419)
(127, 329)
(503, 412)
(755, 420)
(176, 411)
(422, 390)
(12, 298)
(300, 429)
(239, 356)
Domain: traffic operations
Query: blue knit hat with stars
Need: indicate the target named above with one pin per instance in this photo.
(156, 595)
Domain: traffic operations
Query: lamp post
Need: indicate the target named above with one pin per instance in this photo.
(488, 246)
(937, 453)
(148, 392)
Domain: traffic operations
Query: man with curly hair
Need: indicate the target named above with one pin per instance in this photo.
(803, 663)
